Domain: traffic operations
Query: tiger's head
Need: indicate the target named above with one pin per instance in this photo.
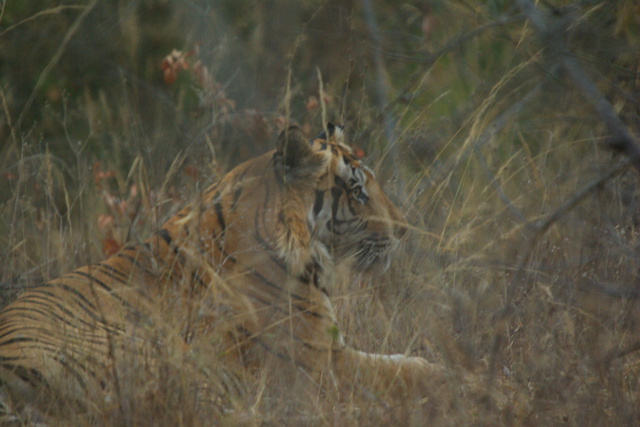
(347, 216)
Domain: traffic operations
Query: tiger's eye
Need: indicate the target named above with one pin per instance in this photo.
(359, 194)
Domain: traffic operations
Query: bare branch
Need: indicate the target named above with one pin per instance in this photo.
(551, 35)
(382, 86)
(612, 290)
(429, 60)
(52, 11)
(517, 213)
(539, 229)
(54, 60)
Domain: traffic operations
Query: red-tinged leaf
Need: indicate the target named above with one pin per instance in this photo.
(97, 166)
(110, 246)
(122, 208)
(358, 152)
(306, 128)
(9, 176)
(312, 103)
(105, 221)
(99, 175)
(192, 171)
(40, 222)
(280, 123)
(170, 76)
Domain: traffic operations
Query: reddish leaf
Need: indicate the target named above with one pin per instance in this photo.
(192, 171)
(105, 221)
(312, 103)
(110, 246)
(358, 152)
(9, 176)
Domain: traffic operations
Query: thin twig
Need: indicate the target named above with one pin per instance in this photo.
(490, 131)
(621, 352)
(429, 60)
(54, 60)
(539, 228)
(4, 152)
(552, 37)
(52, 11)
(623, 140)
(496, 185)
(613, 291)
(382, 86)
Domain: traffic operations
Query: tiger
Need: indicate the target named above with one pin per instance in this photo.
(251, 263)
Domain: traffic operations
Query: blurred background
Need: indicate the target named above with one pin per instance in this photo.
(522, 267)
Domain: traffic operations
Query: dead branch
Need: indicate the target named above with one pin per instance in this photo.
(407, 93)
(612, 290)
(551, 34)
(54, 60)
(539, 228)
(382, 85)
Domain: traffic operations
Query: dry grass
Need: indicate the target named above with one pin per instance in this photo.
(520, 272)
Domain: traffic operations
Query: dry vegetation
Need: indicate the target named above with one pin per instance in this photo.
(522, 267)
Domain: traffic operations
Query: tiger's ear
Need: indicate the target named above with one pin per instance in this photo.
(298, 157)
(336, 131)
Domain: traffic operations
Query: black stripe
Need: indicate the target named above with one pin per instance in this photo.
(123, 277)
(44, 337)
(220, 215)
(264, 243)
(109, 272)
(209, 190)
(163, 233)
(336, 193)
(278, 168)
(27, 375)
(109, 290)
(272, 285)
(53, 300)
(236, 196)
(101, 268)
(278, 296)
(268, 348)
(218, 235)
(317, 205)
(196, 277)
(339, 227)
(40, 300)
(338, 181)
(72, 371)
(135, 262)
(68, 289)
(268, 248)
(91, 278)
(238, 190)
